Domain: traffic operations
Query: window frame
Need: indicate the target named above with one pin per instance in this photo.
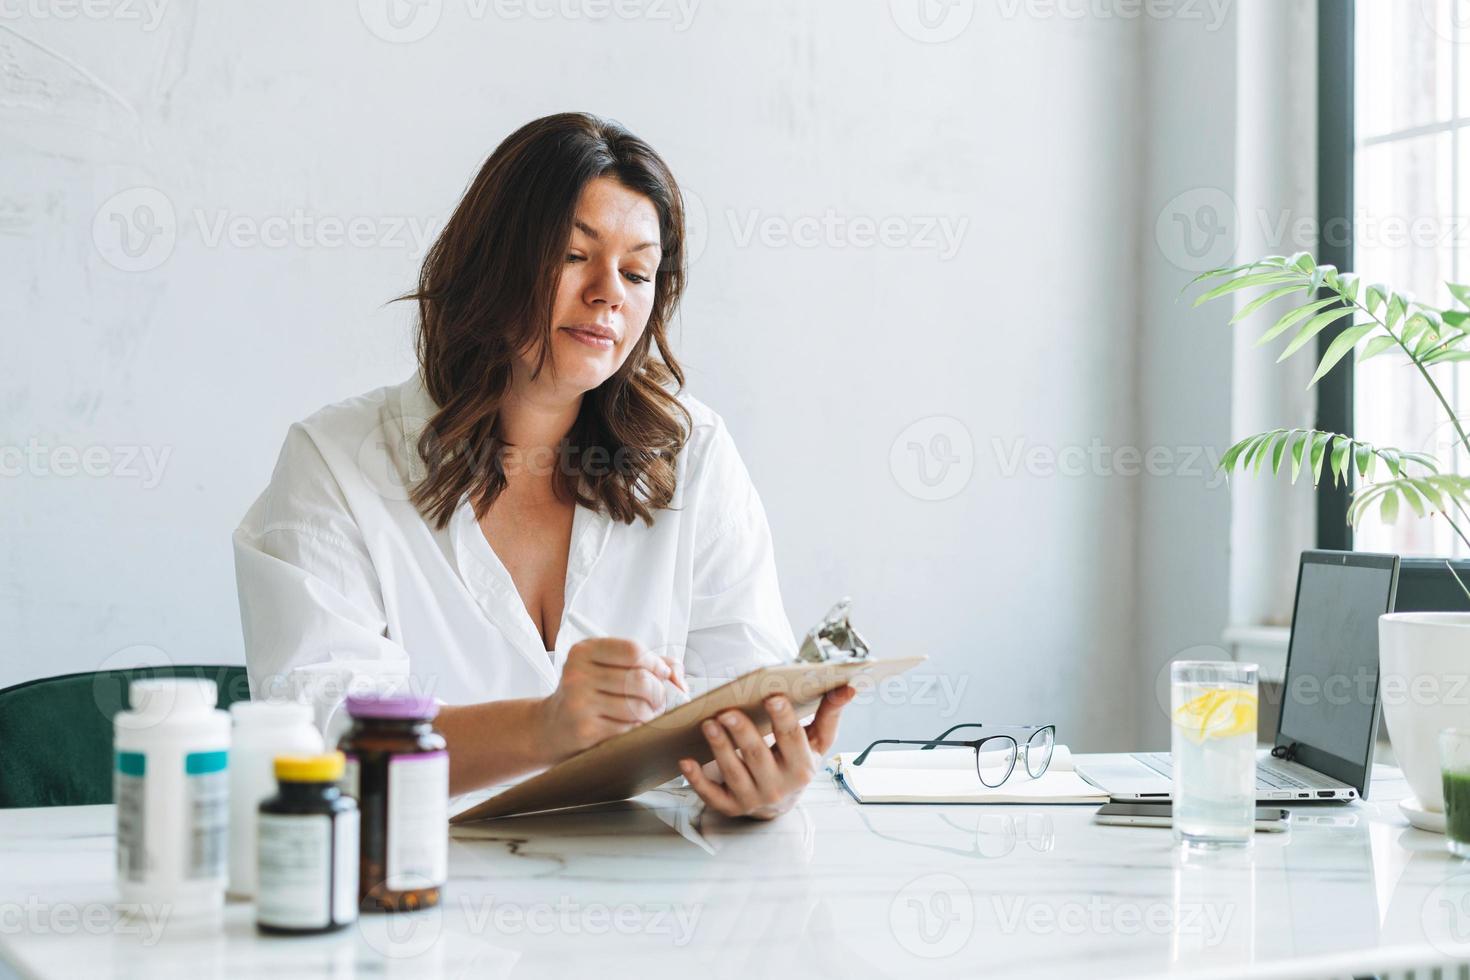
(1336, 146)
(1423, 582)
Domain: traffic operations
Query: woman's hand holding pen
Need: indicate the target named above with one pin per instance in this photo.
(607, 686)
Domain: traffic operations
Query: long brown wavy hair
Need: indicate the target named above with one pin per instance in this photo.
(486, 291)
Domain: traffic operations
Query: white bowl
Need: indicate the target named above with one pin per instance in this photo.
(1424, 672)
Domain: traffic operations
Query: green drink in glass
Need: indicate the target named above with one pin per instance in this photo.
(1454, 761)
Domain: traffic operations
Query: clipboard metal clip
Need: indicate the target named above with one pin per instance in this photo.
(834, 640)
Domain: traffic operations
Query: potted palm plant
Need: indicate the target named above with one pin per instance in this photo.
(1425, 657)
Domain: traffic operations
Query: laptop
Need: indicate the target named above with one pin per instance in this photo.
(1330, 703)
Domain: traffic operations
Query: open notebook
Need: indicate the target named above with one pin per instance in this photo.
(948, 776)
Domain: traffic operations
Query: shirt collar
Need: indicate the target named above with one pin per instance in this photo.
(494, 591)
(482, 571)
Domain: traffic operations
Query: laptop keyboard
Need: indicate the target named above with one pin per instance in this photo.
(1268, 774)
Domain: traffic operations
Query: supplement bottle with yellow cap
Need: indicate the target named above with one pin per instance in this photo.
(307, 849)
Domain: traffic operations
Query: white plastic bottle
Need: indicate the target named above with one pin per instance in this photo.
(263, 730)
(171, 785)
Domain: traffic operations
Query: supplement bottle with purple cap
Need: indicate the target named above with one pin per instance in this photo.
(398, 771)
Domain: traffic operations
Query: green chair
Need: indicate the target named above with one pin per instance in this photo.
(56, 732)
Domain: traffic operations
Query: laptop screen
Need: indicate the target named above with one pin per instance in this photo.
(1329, 704)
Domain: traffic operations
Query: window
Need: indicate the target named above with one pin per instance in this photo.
(1409, 111)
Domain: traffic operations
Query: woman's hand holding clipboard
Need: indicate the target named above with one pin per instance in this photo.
(637, 759)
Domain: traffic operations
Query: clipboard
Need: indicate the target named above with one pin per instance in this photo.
(641, 758)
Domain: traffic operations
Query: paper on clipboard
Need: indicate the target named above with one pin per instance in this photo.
(644, 757)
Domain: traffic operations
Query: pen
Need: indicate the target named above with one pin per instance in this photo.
(676, 666)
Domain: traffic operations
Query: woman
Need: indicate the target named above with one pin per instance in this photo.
(537, 528)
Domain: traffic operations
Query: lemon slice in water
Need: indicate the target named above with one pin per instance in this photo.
(1217, 714)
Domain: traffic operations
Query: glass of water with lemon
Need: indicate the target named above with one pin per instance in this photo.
(1213, 710)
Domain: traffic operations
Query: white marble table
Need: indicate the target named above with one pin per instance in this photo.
(833, 889)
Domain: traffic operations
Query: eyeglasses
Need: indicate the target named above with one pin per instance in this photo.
(995, 754)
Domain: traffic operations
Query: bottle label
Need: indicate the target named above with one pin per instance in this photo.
(129, 791)
(418, 821)
(345, 857)
(207, 792)
(295, 861)
(348, 782)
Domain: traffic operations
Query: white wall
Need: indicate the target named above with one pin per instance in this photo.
(1184, 366)
(1024, 585)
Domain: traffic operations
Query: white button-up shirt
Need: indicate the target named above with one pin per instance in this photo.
(344, 585)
